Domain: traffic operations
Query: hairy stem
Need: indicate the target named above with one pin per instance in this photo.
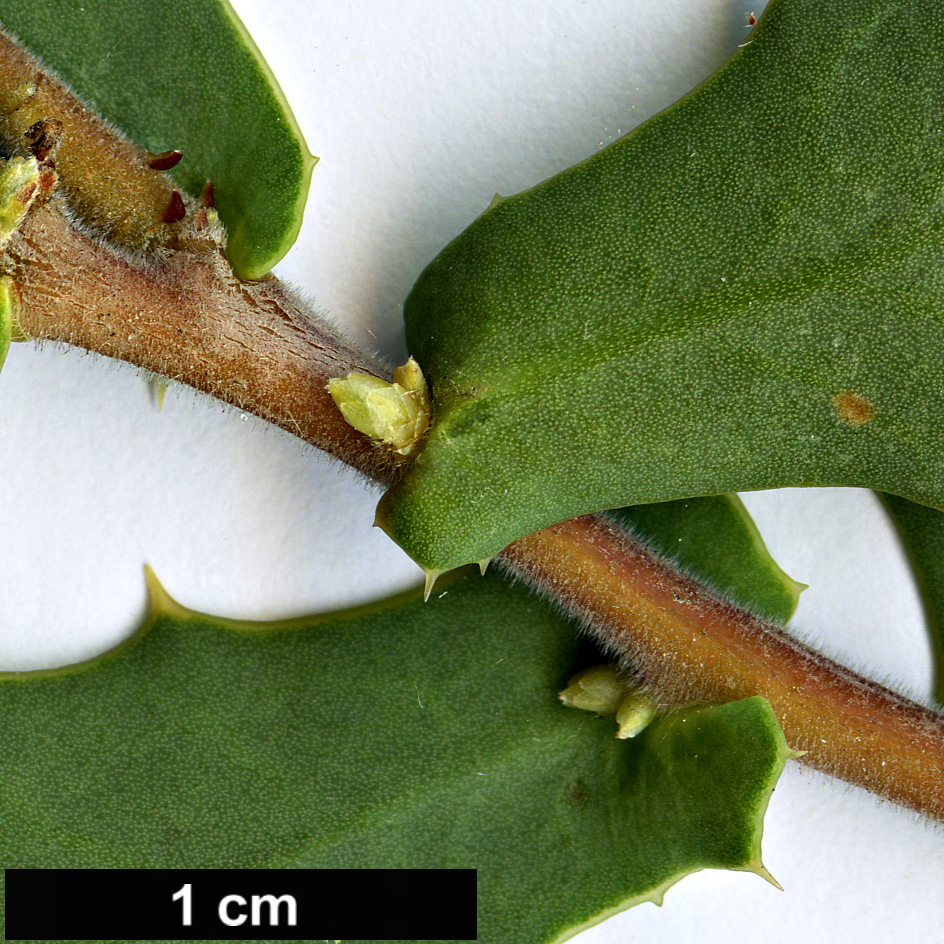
(251, 345)
(181, 313)
(185, 316)
(683, 644)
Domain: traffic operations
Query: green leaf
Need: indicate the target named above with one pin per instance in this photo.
(393, 735)
(922, 532)
(744, 293)
(192, 81)
(715, 539)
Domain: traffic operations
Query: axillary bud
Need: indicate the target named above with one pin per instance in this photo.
(395, 413)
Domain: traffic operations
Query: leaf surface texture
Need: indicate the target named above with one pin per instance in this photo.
(745, 292)
(396, 735)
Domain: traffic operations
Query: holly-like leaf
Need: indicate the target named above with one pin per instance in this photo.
(743, 293)
(394, 735)
(922, 532)
(715, 539)
(190, 79)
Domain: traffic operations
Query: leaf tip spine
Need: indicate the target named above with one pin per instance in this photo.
(160, 602)
(431, 577)
(758, 868)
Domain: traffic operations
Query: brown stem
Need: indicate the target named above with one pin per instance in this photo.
(185, 316)
(683, 644)
(181, 313)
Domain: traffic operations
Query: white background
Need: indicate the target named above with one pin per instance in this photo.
(420, 112)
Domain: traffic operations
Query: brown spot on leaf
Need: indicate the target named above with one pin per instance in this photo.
(855, 410)
(578, 794)
(751, 19)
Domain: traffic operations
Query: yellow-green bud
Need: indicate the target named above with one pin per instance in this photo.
(395, 413)
(601, 689)
(633, 715)
(597, 689)
(19, 184)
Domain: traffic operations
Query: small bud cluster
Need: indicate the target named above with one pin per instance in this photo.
(395, 413)
(600, 689)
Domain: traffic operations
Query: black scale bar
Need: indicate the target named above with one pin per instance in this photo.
(240, 905)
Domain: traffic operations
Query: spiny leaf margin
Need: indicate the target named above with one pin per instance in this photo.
(396, 735)
(743, 293)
